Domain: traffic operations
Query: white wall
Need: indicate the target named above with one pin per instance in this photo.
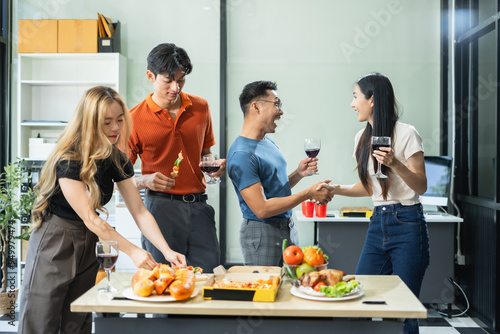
(314, 50)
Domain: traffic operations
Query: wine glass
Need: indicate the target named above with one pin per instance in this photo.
(107, 254)
(312, 145)
(210, 165)
(377, 143)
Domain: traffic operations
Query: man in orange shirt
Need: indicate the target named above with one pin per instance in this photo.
(166, 122)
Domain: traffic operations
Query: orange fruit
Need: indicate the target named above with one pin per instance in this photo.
(143, 274)
(163, 282)
(162, 269)
(144, 288)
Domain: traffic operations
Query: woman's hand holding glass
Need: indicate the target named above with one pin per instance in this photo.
(377, 143)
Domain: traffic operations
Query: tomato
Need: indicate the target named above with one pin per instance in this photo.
(318, 286)
(314, 256)
(293, 255)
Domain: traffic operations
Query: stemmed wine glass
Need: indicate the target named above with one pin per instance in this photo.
(107, 254)
(210, 165)
(312, 145)
(377, 143)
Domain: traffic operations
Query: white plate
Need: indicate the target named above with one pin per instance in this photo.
(129, 293)
(296, 292)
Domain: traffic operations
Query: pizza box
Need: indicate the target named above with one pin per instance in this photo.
(357, 211)
(243, 274)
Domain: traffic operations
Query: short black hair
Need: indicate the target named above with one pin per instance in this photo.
(167, 59)
(253, 90)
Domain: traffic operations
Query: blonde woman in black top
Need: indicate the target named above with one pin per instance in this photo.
(77, 180)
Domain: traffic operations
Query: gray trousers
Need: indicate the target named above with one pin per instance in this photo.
(61, 265)
(188, 228)
(261, 242)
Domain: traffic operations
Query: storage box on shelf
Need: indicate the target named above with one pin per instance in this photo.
(37, 36)
(50, 86)
(63, 36)
(77, 36)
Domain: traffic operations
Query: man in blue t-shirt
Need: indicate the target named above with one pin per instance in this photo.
(257, 169)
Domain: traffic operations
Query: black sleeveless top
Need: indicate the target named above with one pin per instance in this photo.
(107, 174)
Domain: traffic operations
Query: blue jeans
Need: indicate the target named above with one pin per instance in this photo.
(397, 243)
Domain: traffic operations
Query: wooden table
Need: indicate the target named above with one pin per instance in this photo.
(342, 238)
(288, 314)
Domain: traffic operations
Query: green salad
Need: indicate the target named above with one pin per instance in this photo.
(340, 289)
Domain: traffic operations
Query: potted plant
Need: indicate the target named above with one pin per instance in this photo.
(13, 205)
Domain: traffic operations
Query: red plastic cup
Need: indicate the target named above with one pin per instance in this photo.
(308, 209)
(320, 210)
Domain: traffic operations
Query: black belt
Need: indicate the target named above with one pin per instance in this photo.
(187, 198)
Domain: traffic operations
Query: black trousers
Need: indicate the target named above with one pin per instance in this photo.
(188, 227)
(61, 265)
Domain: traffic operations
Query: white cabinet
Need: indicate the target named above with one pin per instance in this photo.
(127, 227)
(50, 85)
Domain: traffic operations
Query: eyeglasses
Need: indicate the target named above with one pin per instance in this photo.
(277, 104)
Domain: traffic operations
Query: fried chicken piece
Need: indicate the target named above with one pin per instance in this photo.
(305, 280)
(310, 279)
(328, 276)
(331, 276)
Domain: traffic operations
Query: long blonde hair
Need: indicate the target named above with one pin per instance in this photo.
(83, 140)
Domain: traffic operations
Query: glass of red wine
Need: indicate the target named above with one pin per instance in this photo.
(312, 145)
(377, 143)
(107, 254)
(210, 165)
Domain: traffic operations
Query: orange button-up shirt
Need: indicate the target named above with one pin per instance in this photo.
(157, 139)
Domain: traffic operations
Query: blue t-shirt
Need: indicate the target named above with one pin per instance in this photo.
(250, 161)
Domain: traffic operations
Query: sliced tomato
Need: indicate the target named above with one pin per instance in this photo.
(318, 286)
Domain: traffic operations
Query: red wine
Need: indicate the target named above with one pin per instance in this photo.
(210, 169)
(107, 261)
(378, 146)
(312, 153)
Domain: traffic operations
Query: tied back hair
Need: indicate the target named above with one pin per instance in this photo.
(385, 116)
(84, 141)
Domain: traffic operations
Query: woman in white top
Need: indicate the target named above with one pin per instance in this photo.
(397, 241)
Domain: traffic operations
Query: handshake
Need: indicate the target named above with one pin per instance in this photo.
(321, 192)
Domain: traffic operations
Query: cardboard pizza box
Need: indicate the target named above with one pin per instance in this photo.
(245, 274)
